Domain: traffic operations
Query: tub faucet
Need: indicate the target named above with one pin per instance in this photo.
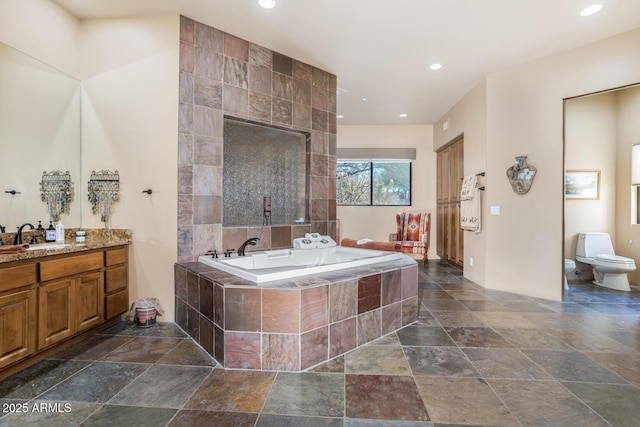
(18, 239)
(243, 246)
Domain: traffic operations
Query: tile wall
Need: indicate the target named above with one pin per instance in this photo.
(223, 75)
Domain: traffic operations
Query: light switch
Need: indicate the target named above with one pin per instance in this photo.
(495, 210)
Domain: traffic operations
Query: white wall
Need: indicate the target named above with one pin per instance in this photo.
(590, 144)
(468, 117)
(377, 222)
(525, 117)
(42, 29)
(129, 71)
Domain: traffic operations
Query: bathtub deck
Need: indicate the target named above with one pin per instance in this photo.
(293, 324)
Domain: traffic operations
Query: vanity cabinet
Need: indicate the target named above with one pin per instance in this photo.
(48, 300)
(18, 302)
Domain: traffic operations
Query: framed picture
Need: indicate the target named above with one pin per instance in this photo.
(582, 185)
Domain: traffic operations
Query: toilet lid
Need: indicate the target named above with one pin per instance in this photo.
(614, 259)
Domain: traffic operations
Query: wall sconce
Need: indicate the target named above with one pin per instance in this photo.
(635, 164)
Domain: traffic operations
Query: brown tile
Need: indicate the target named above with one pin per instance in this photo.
(342, 337)
(391, 317)
(343, 300)
(477, 337)
(242, 309)
(383, 397)
(281, 111)
(260, 56)
(302, 71)
(218, 306)
(193, 290)
(409, 282)
(208, 64)
(409, 311)
(391, 287)
(281, 86)
(235, 100)
(314, 307)
(93, 348)
(187, 353)
(369, 326)
(143, 350)
(280, 352)
(187, 57)
(260, 80)
(187, 417)
(187, 30)
(281, 311)
(369, 290)
(180, 278)
(281, 237)
(260, 106)
(206, 334)
(209, 38)
(236, 47)
(302, 92)
(232, 391)
(314, 347)
(235, 73)
(282, 64)
(241, 350)
(207, 92)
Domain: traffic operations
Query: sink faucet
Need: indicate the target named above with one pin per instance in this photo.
(18, 238)
(243, 246)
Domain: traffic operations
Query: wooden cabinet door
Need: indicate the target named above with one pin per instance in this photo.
(89, 301)
(17, 326)
(56, 315)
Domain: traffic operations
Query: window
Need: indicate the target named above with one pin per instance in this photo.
(377, 183)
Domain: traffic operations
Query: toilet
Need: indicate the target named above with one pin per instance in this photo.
(609, 270)
(569, 266)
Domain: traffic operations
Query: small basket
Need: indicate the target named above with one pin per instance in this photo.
(145, 317)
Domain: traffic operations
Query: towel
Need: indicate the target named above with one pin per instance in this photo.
(314, 237)
(325, 242)
(469, 184)
(304, 243)
(13, 249)
(470, 208)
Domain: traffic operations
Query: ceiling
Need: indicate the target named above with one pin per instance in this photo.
(381, 50)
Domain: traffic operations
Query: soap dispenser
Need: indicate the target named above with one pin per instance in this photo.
(59, 232)
(50, 233)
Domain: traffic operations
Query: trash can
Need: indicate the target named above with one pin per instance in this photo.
(144, 311)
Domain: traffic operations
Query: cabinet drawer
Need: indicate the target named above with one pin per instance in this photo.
(117, 303)
(15, 277)
(116, 278)
(63, 267)
(117, 256)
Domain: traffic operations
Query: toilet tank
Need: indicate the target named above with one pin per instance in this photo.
(591, 244)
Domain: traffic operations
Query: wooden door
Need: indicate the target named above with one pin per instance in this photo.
(56, 316)
(450, 244)
(17, 326)
(89, 300)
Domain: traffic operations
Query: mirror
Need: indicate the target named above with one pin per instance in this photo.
(39, 132)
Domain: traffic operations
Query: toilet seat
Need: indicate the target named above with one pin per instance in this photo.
(613, 259)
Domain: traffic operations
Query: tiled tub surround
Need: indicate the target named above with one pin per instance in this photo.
(292, 325)
(224, 76)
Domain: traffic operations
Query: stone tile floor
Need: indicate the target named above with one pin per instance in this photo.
(475, 357)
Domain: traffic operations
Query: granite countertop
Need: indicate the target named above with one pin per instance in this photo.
(95, 239)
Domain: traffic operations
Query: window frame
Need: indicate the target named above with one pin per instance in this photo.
(372, 162)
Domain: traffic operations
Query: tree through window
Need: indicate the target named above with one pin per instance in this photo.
(380, 183)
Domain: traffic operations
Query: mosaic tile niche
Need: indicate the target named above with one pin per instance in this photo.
(223, 76)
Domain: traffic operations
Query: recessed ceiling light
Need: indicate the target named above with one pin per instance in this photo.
(403, 115)
(267, 4)
(340, 116)
(435, 66)
(594, 8)
(364, 99)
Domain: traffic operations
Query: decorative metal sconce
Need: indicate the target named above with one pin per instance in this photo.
(104, 190)
(57, 192)
(521, 175)
(266, 211)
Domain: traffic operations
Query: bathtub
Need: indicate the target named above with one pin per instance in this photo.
(260, 267)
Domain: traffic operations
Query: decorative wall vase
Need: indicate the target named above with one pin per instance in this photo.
(521, 175)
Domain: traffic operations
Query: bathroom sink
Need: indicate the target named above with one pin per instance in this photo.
(47, 246)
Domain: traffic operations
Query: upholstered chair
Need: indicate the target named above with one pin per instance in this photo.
(412, 233)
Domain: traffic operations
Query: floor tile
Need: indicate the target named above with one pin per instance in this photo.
(439, 361)
(544, 403)
(627, 366)
(97, 383)
(469, 336)
(269, 420)
(143, 350)
(618, 404)
(383, 397)
(113, 415)
(213, 418)
(533, 339)
(373, 359)
(572, 366)
(589, 340)
(92, 348)
(315, 394)
(187, 352)
(38, 378)
(504, 363)
(234, 391)
(458, 318)
(475, 402)
(424, 336)
(71, 415)
(162, 386)
(499, 319)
